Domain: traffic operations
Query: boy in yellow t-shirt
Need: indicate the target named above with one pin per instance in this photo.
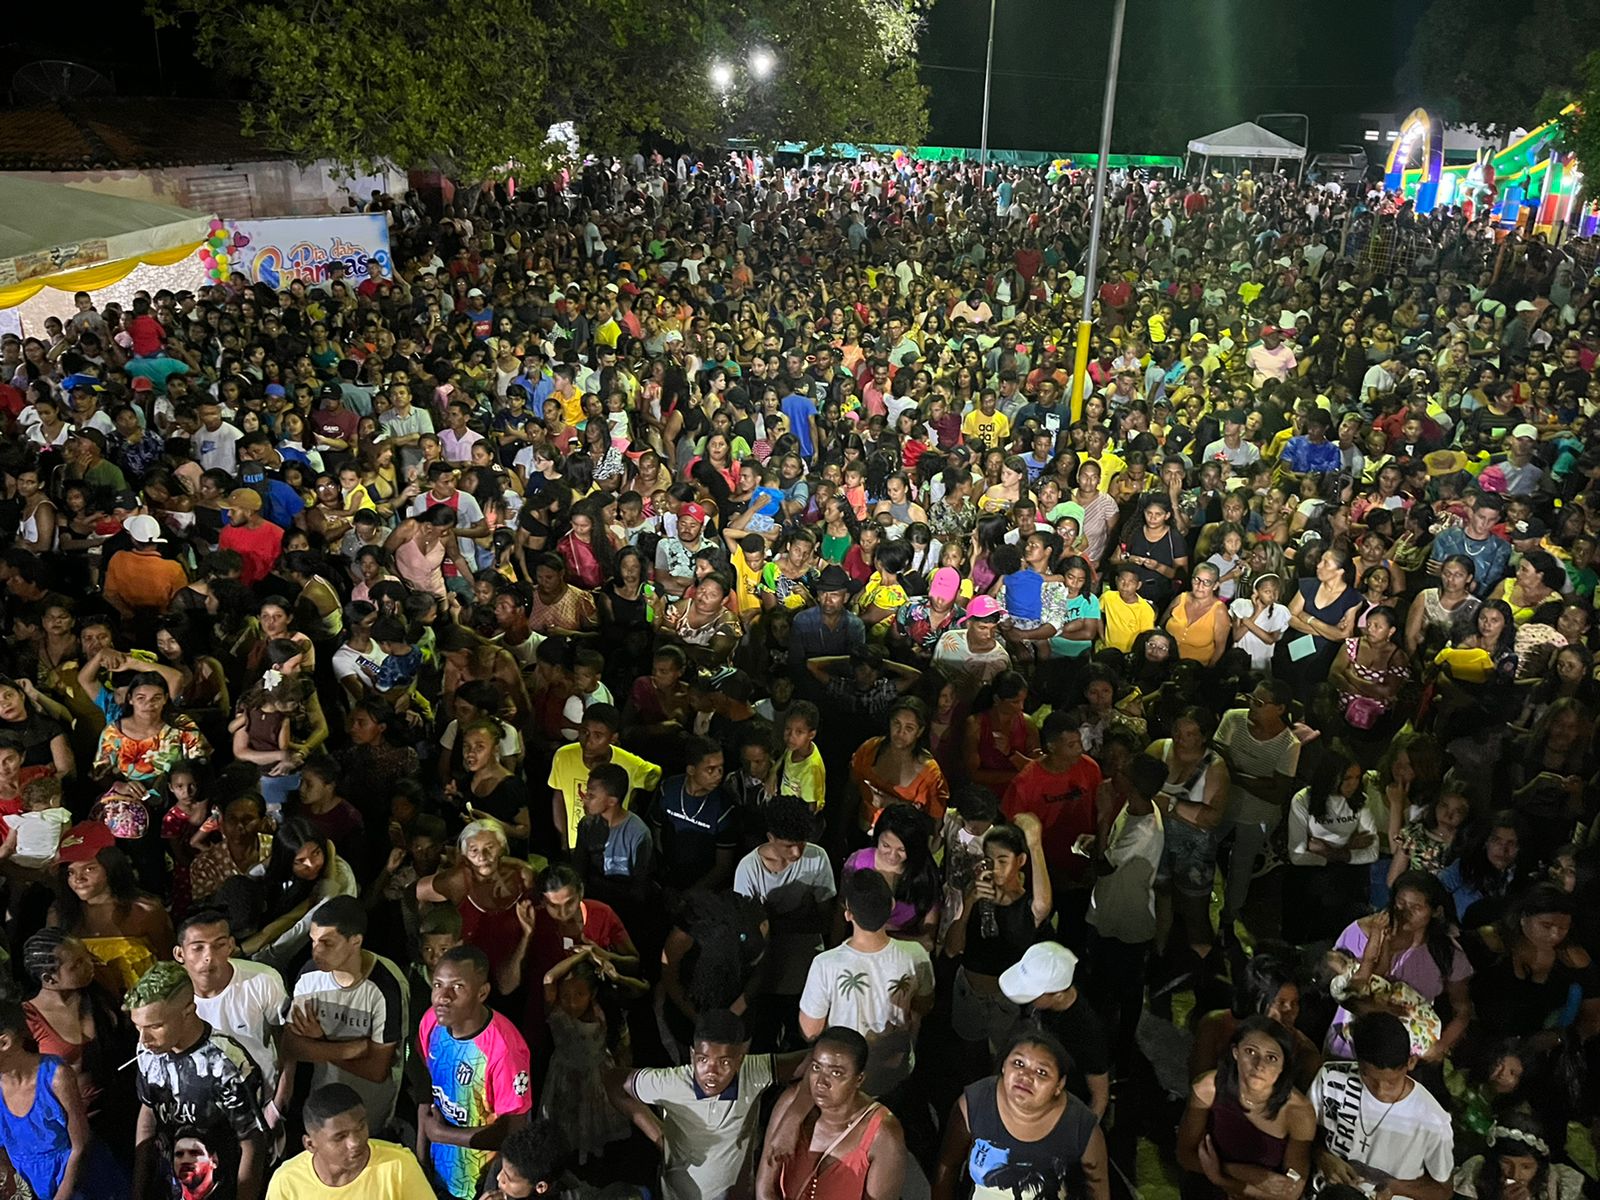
(569, 769)
(800, 770)
(749, 561)
(985, 425)
(1126, 613)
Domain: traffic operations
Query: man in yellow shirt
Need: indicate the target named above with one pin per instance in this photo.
(985, 425)
(340, 1156)
(569, 770)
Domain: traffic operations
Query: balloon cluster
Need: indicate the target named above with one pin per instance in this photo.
(214, 256)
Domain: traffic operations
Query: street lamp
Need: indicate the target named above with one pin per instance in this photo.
(988, 76)
(762, 62)
(721, 76)
(1080, 362)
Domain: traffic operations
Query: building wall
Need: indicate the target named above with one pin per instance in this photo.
(235, 190)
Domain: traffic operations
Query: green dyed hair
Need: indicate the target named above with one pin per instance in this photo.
(160, 982)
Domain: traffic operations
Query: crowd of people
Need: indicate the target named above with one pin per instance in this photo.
(672, 694)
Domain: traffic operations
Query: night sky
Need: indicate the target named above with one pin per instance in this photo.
(1188, 66)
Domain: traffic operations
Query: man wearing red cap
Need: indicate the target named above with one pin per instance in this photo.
(1271, 359)
(675, 555)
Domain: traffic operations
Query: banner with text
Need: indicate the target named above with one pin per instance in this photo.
(277, 250)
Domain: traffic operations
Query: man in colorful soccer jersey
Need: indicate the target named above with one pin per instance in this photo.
(478, 1064)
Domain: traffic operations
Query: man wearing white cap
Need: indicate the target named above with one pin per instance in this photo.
(1520, 474)
(139, 578)
(1042, 982)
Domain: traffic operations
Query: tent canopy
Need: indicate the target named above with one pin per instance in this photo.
(70, 239)
(1245, 140)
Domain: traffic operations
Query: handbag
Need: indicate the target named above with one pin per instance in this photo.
(1362, 712)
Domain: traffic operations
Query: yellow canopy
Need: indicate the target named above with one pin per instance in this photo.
(70, 239)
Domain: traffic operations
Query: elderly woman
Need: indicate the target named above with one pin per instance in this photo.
(1198, 619)
(485, 886)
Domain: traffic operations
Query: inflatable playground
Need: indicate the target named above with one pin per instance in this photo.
(1531, 186)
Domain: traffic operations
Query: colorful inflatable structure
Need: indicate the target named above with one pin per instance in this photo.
(1530, 185)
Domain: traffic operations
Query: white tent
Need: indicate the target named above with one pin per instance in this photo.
(70, 238)
(1246, 140)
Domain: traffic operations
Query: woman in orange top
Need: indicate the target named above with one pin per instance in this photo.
(900, 766)
(1198, 619)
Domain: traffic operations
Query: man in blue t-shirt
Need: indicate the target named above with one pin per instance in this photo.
(1312, 450)
(801, 410)
(1476, 540)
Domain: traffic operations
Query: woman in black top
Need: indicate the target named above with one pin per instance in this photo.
(626, 628)
(1529, 975)
(1000, 918)
(1157, 553)
(1021, 1133)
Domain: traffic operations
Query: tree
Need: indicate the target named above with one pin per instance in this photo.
(474, 85)
(1494, 65)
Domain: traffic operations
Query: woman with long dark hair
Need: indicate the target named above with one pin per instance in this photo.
(1245, 1123)
(1268, 987)
(1323, 609)
(99, 901)
(1332, 841)
(901, 853)
(1412, 941)
(303, 871)
(709, 961)
(1486, 872)
(1000, 740)
(1529, 973)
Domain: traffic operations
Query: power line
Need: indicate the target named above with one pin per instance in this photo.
(1254, 84)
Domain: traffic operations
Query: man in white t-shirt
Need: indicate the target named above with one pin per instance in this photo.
(703, 1116)
(243, 999)
(794, 880)
(1379, 1129)
(878, 985)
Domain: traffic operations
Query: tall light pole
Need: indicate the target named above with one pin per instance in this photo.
(1080, 363)
(988, 78)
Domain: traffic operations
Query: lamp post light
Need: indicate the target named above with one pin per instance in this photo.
(721, 76)
(1080, 361)
(988, 78)
(762, 63)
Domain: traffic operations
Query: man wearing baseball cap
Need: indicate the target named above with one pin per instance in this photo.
(1271, 360)
(257, 540)
(138, 580)
(675, 555)
(1042, 983)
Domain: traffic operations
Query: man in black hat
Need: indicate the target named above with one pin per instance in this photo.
(826, 630)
